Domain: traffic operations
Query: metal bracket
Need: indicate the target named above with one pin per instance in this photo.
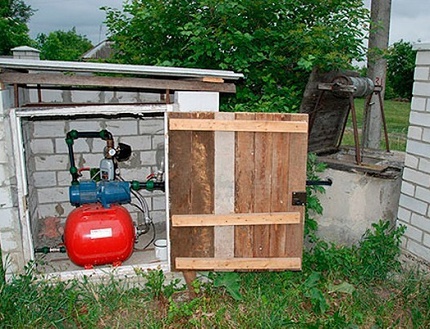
(299, 198)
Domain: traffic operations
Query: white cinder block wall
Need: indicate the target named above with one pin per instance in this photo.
(414, 204)
(11, 243)
(48, 163)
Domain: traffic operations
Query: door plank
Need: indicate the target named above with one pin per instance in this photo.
(236, 219)
(244, 187)
(273, 263)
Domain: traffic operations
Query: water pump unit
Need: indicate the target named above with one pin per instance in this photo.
(100, 230)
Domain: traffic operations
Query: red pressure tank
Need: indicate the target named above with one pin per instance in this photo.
(94, 235)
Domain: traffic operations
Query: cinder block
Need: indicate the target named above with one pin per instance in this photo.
(139, 174)
(63, 178)
(418, 103)
(9, 241)
(53, 195)
(5, 197)
(42, 146)
(411, 161)
(425, 135)
(51, 162)
(419, 250)
(413, 204)
(137, 143)
(151, 126)
(418, 148)
(421, 89)
(80, 145)
(413, 233)
(158, 216)
(416, 177)
(147, 157)
(408, 188)
(421, 222)
(50, 128)
(420, 118)
(403, 215)
(415, 132)
(85, 125)
(4, 156)
(45, 178)
(422, 194)
(421, 73)
(60, 209)
(122, 127)
(424, 165)
(90, 160)
(2, 133)
(158, 203)
(423, 58)
(8, 219)
(156, 140)
(426, 240)
(4, 175)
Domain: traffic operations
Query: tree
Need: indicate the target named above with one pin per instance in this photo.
(14, 15)
(401, 66)
(274, 43)
(61, 45)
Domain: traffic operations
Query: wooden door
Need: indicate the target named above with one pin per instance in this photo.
(234, 179)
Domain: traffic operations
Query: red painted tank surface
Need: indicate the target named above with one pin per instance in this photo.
(94, 235)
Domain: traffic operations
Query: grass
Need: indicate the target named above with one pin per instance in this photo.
(397, 119)
(339, 287)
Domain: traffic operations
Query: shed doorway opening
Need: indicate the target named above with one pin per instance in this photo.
(43, 177)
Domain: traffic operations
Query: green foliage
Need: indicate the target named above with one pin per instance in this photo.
(229, 280)
(14, 16)
(156, 285)
(400, 70)
(379, 250)
(61, 45)
(372, 260)
(274, 43)
(313, 204)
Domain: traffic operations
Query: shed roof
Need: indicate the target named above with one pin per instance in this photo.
(89, 67)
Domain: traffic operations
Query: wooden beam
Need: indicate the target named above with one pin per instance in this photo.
(290, 263)
(114, 82)
(239, 125)
(236, 219)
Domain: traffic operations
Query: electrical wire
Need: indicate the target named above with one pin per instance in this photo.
(144, 208)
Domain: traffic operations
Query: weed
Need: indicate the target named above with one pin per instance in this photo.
(379, 250)
(156, 286)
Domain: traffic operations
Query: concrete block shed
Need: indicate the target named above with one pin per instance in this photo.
(222, 207)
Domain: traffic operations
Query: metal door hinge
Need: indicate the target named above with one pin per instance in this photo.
(299, 198)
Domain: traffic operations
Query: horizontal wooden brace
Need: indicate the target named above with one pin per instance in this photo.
(236, 219)
(114, 82)
(238, 125)
(190, 263)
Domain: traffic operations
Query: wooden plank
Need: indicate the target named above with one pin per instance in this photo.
(297, 160)
(244, 190)
(236, 219)
(180, 189)
(224, 187)
(292, 263)
(239, 125)
(191, 188)
(279, 182)
(114, 82)
(263, 187)
(202, 186)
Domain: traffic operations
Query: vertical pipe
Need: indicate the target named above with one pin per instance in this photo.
(354, 125)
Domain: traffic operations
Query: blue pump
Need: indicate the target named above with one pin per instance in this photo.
(105, 192)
